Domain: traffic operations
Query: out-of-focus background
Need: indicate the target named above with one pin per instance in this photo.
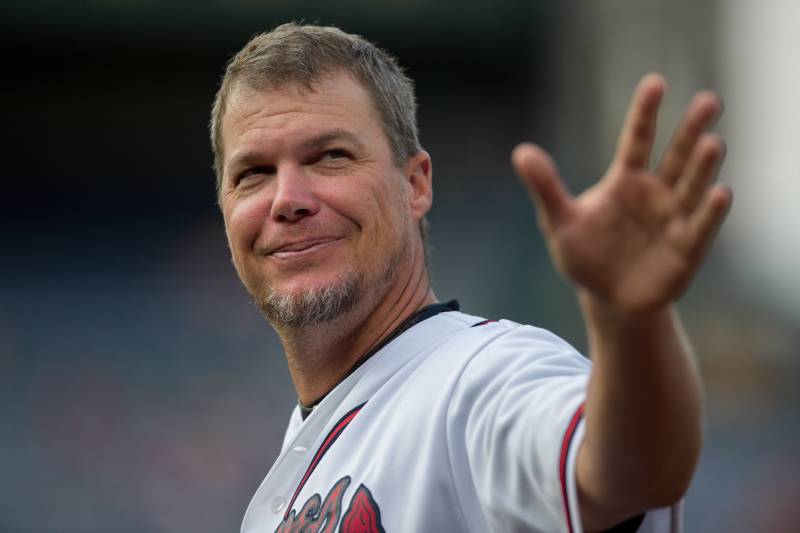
(140, 391)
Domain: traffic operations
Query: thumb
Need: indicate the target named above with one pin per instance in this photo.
(538, 172)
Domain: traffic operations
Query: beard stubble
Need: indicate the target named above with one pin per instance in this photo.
(312, 306)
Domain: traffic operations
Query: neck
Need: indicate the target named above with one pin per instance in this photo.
(319, 356)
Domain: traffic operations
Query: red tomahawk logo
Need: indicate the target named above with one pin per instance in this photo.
(363, 516)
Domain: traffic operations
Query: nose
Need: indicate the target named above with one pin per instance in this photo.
(294, 195)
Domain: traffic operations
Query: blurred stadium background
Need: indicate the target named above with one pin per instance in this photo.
(140, 391)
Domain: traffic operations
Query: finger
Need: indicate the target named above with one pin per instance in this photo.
(706, 220)
(636, 138)
(700, 172)
(538, 172)
(702, 112)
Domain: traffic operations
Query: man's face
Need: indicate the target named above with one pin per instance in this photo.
(317, 214)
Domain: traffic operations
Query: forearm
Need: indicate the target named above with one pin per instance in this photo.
(643, 411)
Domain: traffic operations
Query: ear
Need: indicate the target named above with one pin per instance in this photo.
(419, 175)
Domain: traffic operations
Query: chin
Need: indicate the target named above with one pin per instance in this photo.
(310, 305)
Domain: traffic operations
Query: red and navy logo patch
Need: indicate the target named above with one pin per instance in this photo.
(363, 515)
(323, 516)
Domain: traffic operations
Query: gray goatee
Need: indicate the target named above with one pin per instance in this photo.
(314, 305)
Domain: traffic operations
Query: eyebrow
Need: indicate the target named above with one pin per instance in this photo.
(336, 134)
(249, 158)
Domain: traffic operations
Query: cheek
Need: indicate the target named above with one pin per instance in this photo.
(394, 201)
(390, 216)
(243, 223)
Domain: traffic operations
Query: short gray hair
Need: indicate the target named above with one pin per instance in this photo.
(300, 54)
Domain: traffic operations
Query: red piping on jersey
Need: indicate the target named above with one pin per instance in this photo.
(562, 467)
(326, 444)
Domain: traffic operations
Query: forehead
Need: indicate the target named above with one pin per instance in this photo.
(337, 100)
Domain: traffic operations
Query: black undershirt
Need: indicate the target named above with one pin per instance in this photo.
(631, 525)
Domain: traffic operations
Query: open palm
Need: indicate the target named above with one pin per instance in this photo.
(636, 238)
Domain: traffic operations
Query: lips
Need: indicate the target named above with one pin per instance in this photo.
(295, 248)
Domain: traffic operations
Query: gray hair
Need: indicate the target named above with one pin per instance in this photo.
(300, 54)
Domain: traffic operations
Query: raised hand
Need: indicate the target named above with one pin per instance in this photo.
(636, 238)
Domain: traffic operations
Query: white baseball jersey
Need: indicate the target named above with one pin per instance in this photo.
(458, 424)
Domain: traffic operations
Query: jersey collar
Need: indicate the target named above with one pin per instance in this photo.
(426, 312)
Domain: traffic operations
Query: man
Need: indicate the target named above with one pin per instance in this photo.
(412, 415)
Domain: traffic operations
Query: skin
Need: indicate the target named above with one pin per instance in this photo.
(304, 214)
(310, 194)
(631, 244)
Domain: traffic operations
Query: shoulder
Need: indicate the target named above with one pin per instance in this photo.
(481, 358)
(488, 341)
(456, 356)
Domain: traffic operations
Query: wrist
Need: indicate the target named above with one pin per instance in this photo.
(605, 316)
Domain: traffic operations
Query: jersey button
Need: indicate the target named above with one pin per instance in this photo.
(278, 503)
(300, 449)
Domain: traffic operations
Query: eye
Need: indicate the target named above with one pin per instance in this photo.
(254, 172)
(335, 153)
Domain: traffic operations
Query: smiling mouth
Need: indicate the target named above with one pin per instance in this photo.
(302, 248)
